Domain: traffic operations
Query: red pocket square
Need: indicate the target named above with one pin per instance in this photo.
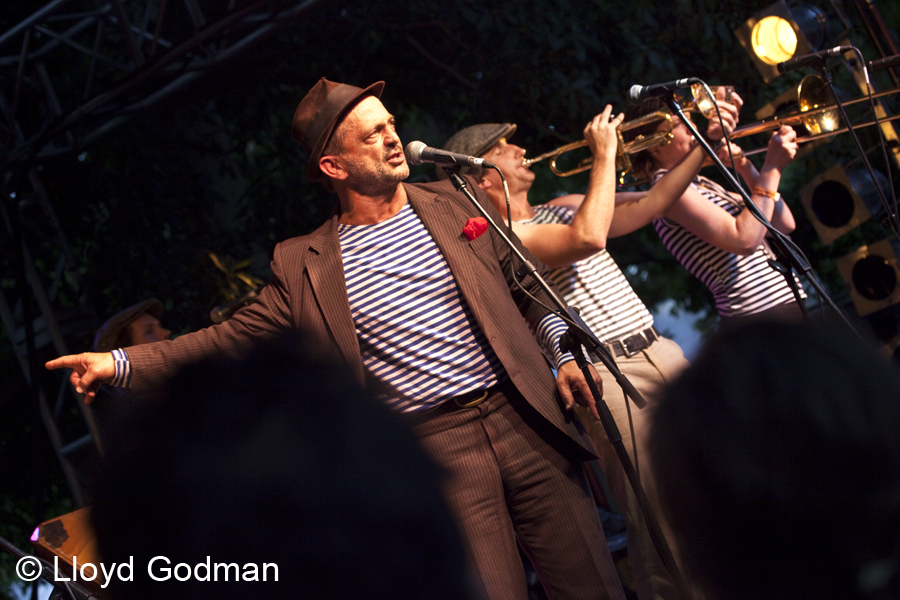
(475, 227)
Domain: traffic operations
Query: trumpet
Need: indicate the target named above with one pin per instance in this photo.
(623, 162)
(700, 102)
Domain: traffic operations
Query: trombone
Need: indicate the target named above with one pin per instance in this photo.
(818, 114)
(701, 102)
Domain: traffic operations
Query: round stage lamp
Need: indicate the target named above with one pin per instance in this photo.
(777, 33)
(773, 40)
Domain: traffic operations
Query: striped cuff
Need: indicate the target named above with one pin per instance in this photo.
(123, 369)
(549, 330)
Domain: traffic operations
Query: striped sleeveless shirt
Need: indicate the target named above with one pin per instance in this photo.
(596, 285)
(741, 285)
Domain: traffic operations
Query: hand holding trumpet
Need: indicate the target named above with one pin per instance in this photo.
(600, 133)
(602, 130)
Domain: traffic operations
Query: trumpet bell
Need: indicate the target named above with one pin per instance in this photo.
(813, 93)
(701, 101)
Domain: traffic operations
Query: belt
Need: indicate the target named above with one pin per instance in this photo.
(631, 345)
(471, 399)
(463, 401)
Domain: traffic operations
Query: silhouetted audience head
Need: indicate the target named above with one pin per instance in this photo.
(276, 458)
(777, 463)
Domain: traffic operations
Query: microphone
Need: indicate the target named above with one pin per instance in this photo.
(888, 62)
(418, 153)
(816, 59)
(639, 93)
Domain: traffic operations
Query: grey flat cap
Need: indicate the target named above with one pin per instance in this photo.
(475, 140)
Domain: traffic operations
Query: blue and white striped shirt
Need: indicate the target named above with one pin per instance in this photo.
(416, 331)
(122, 377)
(741, 285)
(596, 285)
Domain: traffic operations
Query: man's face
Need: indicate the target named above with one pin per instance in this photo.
(508, 157)
(146, 329)
(373, 155)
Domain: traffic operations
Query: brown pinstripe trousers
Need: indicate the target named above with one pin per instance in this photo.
(504, 475)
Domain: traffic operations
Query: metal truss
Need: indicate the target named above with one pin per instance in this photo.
(69, 74)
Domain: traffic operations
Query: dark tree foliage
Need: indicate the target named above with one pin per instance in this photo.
(215, 170)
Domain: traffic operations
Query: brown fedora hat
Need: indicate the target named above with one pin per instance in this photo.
(318, 114)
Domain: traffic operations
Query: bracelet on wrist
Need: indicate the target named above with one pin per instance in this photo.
(760, 191)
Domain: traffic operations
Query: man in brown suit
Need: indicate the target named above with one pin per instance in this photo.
(510, 452)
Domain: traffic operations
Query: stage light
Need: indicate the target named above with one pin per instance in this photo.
(777, 33)
(872, 274)
(773, 40)
(839, 200)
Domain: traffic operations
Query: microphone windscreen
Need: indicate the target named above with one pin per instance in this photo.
(413, 152)
(634, 94)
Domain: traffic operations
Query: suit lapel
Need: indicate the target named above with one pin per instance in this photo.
(326, 274)
(445, 223)
(443, 220)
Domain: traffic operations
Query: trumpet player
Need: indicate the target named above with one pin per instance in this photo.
(711, 232)
(569, 234)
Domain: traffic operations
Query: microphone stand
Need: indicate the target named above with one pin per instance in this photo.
(892, 217)
(785, 269)
(788, 250)
(579, 335)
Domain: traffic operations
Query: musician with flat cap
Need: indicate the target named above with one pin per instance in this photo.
(404, 285)
(570, 234)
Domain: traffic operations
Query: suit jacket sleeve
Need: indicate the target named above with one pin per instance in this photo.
(268, 316)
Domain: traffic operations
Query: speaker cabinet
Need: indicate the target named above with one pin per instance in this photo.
(872, 274)
(839, 200)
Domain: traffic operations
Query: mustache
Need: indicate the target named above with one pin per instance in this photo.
(393, 149)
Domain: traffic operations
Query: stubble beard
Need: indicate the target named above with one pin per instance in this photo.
(378, 178)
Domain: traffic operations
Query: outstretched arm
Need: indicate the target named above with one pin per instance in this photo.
(559, 245)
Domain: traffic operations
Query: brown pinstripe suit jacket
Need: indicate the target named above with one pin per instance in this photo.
(307, 292)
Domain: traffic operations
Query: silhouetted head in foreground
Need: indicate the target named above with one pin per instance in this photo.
(276, 458)
(777, 464)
